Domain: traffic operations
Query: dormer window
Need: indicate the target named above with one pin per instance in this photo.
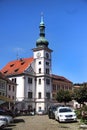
(22, 63)
(11, 65)
(5, 71)
(16, 70)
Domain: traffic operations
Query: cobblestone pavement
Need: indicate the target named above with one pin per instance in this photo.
(40, 123)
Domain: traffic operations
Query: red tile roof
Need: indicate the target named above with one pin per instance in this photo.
(17, 66)
(60, 78)
(2, 76)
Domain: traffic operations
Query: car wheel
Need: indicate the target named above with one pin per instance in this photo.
(59, 120)
(55, 118)
(49, 117)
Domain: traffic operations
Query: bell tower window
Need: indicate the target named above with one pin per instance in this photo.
(39, 81)
(47, 55)
(39, 70)
(39, 95)
(47, 71)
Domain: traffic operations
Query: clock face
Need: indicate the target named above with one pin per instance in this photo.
(38, 54)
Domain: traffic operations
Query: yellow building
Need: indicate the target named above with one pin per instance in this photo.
(60, 82)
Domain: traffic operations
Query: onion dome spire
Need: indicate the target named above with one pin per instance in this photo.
(41, 40)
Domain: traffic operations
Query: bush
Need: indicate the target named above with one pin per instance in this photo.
(82, 114)
(78, 113)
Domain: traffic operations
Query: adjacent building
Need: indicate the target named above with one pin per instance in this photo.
(7, 90)
(3, 85)
(60, 82)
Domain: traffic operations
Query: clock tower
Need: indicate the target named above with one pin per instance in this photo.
(42, 68)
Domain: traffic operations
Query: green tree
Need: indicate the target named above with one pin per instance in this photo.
(63, 96)
(80, 95)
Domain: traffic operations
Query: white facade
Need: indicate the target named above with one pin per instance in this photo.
(42, 58)
(20, 88)
(38, 87)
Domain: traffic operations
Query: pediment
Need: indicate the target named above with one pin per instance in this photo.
(29, 70)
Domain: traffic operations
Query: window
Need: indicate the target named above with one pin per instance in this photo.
(47, 63)
(30, 95)
(30, 80)
(12, 97)
(47, 81)
(16, 70)
(22, 63)
(47, 55)
(47, 71)
(39, 95)
(53, 95)
(13, 88)
(39, 108)
(39, 63)
(66, 87)
(58, 87)
(48, 95)
(5, 71)
(3, 85)
(11, 65)
(9, 96)
(63, 87)
(39, 81)
(3, 94)
(14, 80)
(39, 70)
(9, 87)
(54, 87)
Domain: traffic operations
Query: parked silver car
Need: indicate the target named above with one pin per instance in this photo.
(5, 115)
(3, 122)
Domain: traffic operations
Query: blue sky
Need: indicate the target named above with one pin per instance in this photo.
(66, 31)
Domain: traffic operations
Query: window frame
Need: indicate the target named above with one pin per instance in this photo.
(39, 95)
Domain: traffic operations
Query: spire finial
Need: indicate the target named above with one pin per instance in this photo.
(42, 42)
(42, 18)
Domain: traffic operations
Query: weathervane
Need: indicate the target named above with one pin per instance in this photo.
(42, 18)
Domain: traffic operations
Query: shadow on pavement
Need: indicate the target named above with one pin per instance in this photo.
(18, 120)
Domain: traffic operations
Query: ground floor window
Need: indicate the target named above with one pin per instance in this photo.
(30, 95)
(48, 95)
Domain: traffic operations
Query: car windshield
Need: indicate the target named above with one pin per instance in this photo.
(65, 110)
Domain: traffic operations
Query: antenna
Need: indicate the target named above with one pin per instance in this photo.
(17, 54)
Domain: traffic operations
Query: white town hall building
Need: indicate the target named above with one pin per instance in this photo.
(33, 76)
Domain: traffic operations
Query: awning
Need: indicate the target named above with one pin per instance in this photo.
(5, 99)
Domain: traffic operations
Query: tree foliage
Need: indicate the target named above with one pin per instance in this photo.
(80, 95)
(63, 96)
